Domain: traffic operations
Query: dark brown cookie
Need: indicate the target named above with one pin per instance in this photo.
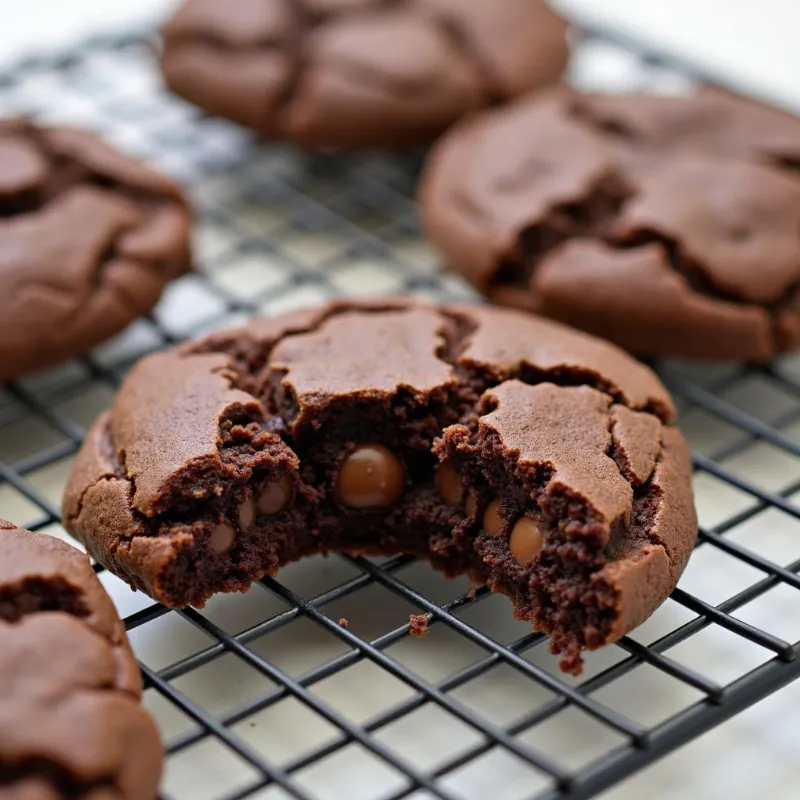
(359, 73)
(70, 721)
(88, 240)
(668, 225)
(529, 455)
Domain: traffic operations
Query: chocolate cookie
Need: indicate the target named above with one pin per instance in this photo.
(668, 225)
(529, 455)
(88, 240)
(70, 721)
(359, 73)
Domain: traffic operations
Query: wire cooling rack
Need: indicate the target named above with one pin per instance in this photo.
(311, 686)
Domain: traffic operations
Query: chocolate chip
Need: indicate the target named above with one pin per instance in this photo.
(275, 495)
(448, 483)
(526, 540)
(222, 538)
(247, 512)
(492, 521)
(370, 477)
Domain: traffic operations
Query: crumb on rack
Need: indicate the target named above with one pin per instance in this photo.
(343, 622)
(419, 624)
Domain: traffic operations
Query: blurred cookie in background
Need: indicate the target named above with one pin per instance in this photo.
(669, 225)
(89, 238)
(359, 73)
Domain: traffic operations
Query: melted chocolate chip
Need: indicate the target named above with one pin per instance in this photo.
(370, 477)
(471, 505)
(492, 521)
(247, 512)
(448, 483)
(275, 495)
(222, 538)
(526, 541)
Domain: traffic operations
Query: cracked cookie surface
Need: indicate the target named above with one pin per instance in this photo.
(670, 225)
(71, 726)
(359, 73)
(531, 456)
(88, 240)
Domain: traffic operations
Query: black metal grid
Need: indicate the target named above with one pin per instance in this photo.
(279, 228)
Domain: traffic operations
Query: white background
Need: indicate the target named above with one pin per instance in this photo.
(753, 44)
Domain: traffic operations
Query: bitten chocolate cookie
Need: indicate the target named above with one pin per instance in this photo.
(533, 457)
(71, 727)
(88, 240)
(668, 225)
(359, 73)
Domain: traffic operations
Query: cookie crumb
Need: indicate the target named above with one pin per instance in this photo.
(473, 593)
(343, 621)
(419, 624)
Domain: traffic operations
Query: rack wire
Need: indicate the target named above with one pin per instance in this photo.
(311, 686)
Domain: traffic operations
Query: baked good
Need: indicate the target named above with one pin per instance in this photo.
(88, 240)
(71, 726)
(358, 73)
(670, 225)
(531, 456)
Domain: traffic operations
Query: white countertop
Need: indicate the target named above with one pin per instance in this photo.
(43, 24)
(752, 44)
